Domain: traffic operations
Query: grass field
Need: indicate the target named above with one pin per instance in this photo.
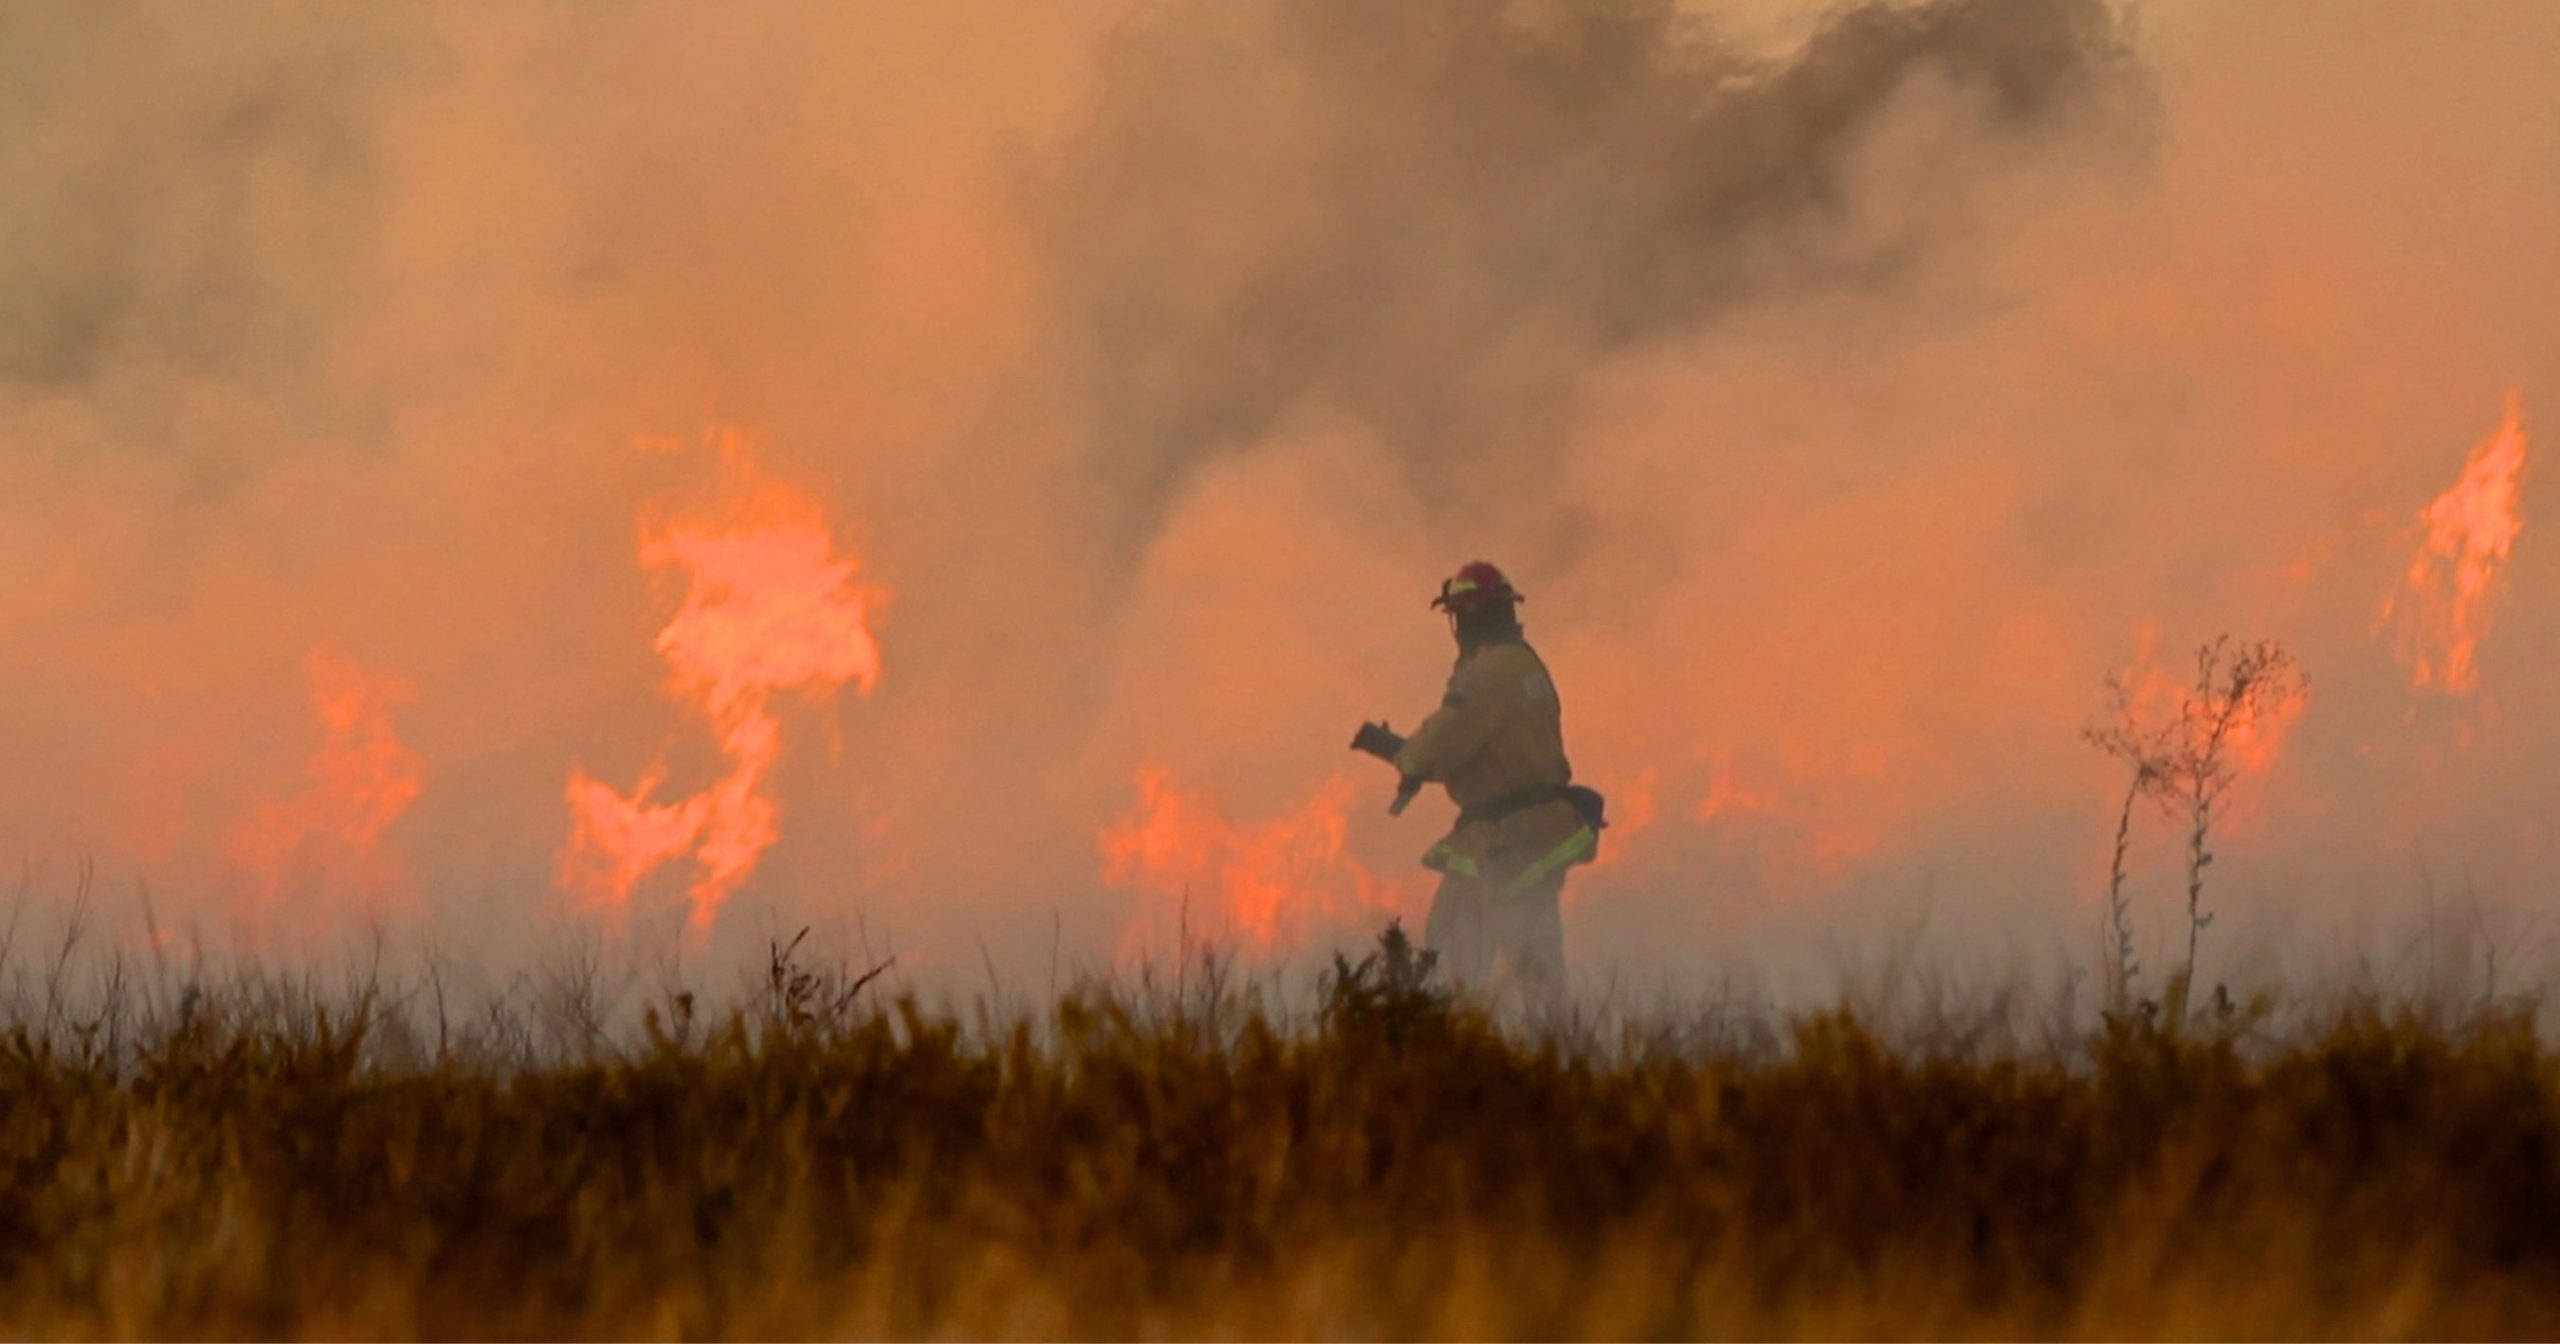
(263, 1158)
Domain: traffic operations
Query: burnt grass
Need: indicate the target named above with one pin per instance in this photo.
(827, 1160)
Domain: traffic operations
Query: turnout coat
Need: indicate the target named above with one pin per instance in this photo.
(1497, 745)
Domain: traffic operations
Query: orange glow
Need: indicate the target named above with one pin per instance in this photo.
(2255, 742)
(323, 843)
(2443, 603)
(2159, 698)
(2158, 695)
(1268, 886)
(769, 606)
(1633, 807)
(1726, 793)
(1816, 820)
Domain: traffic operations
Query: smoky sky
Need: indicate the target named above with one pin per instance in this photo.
(1437, 217)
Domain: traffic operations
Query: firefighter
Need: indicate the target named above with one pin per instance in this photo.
(1497, 745)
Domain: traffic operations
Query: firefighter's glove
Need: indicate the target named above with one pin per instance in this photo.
(1406, 788)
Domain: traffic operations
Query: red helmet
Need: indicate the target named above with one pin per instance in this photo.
(1477, 586)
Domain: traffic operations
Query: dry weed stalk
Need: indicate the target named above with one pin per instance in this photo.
(2144, 750)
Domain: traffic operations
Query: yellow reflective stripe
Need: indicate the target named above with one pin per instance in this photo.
(1582, 842)
(1448, 860)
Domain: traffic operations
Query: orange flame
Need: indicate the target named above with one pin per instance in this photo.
(2469, 530)
(769, 607)
(1271, 885)
(324, 840)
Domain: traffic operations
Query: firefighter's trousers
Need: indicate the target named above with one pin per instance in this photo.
(1499, 938)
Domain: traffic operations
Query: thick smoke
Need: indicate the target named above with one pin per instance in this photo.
(1851, 388)
(190, 193)
(1438, 218)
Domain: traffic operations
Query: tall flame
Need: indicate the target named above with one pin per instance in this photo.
(770, 606)
(2442, 605)
(324, 840)
(1269, 885)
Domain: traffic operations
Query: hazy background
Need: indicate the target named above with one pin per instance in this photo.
(1850, 391)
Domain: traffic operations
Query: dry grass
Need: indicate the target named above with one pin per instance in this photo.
(266, 1158)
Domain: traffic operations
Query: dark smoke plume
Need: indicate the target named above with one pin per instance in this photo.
(1434, 216)
(189, 189)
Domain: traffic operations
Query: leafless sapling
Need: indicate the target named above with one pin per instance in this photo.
(2238, 693)
(2186, 763)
